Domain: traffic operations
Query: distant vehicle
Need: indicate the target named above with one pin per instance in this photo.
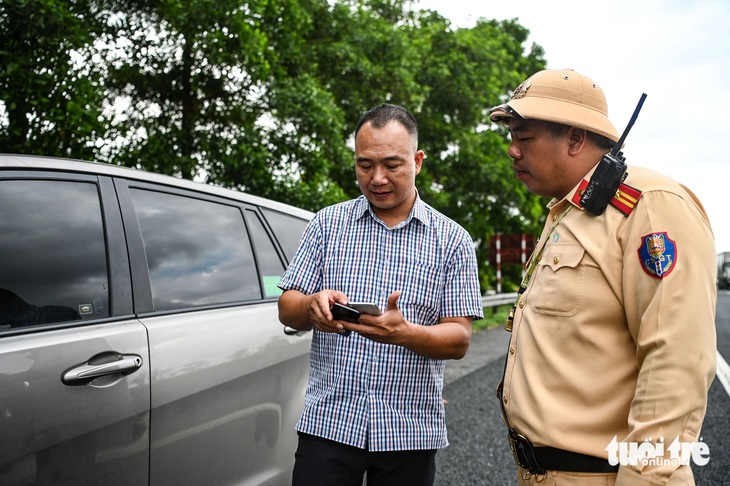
(139, 334)
(723, 270)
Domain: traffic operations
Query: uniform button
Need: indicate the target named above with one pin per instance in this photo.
(522, 304)
(556, 260)
(504, 399)
(554, 217)
(511, 350)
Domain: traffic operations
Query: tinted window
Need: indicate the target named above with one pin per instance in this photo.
(288, 230)
(53, 266)
(270, 264)
(198, 251)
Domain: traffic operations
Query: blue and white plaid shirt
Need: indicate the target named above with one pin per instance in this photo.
(375, 396)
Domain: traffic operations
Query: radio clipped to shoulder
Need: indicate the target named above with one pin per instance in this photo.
(609, 174)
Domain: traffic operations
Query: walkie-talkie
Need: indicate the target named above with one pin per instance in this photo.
(609, 174)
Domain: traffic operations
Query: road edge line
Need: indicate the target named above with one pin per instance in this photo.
(723, 372)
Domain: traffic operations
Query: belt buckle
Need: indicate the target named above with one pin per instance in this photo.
(523, 453)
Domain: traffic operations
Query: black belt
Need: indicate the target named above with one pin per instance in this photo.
(540, 460)
(559, 460)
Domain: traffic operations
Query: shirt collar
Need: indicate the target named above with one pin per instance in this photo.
(418, 211)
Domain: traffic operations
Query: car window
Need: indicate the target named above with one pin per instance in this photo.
(53, 266)
(288, 230)
(270, 265)
(198, 251)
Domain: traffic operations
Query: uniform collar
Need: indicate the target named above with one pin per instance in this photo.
(576, 193)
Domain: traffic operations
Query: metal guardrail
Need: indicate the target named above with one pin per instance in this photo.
(498, 299)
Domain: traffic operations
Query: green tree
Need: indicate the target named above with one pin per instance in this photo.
(50, 101)
(216, 89)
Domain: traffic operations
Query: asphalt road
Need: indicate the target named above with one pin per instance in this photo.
(478, 453)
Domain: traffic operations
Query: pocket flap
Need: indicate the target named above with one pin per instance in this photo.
(562, 256)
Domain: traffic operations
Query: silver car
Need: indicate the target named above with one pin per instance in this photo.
(139, 336)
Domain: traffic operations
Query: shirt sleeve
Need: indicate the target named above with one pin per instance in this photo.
(670, 297)
(462, 296)
(305, 270)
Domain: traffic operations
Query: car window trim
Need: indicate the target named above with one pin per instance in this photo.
(120, 303)
(140, 276)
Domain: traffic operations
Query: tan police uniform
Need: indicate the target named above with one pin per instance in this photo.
(613, 334)
(602, 346)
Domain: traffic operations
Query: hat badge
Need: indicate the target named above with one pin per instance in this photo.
(521, 90)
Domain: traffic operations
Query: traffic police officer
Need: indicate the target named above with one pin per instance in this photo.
(613, 337)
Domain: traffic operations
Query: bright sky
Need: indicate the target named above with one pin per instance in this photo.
(675, 51)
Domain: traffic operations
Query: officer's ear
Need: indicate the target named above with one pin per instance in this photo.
(577, 138)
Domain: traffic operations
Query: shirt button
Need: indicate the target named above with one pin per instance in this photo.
(504, 399)
(554, 217)
(556, 260)
(511, 350)
(522, 304)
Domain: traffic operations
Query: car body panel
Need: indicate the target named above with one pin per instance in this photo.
(206, 394)
(58, 434)
(225, 377)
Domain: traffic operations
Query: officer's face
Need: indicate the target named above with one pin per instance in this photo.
(540, 158)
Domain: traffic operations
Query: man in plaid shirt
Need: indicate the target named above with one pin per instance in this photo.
(374, 399)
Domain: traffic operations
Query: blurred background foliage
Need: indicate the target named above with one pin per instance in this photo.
(263, 96)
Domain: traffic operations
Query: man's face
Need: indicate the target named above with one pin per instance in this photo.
(540, 158)
(386, 165)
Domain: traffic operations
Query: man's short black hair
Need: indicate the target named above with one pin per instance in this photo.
(385, 113)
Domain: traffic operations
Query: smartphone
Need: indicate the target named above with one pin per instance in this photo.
(345, 313)
(365, 308)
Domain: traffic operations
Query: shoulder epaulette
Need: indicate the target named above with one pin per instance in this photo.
(626, 198)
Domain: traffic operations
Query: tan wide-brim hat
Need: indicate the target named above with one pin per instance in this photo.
(560, 96)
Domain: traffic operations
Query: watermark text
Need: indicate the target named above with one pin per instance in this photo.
(650, 453)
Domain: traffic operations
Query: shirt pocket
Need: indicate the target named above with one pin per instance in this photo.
(421, 292)
(558, 287)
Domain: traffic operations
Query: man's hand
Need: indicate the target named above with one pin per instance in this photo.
(304, 312)
(389, 327)
(449, 339)
(320, 311)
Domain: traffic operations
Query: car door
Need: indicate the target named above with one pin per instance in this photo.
(74, 362)
(227, 383)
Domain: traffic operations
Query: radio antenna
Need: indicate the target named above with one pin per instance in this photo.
(617, 148)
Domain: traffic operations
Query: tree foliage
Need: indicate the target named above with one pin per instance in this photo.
(264, 95)
(51, 101)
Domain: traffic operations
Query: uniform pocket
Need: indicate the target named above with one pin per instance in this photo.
(558, 287)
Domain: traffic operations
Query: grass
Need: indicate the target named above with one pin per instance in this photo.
(493, 317)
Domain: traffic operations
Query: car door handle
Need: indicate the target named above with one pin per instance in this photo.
(103, 364)
(290, 331)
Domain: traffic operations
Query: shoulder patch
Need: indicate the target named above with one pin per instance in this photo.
(626, 198)
(658, 254)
